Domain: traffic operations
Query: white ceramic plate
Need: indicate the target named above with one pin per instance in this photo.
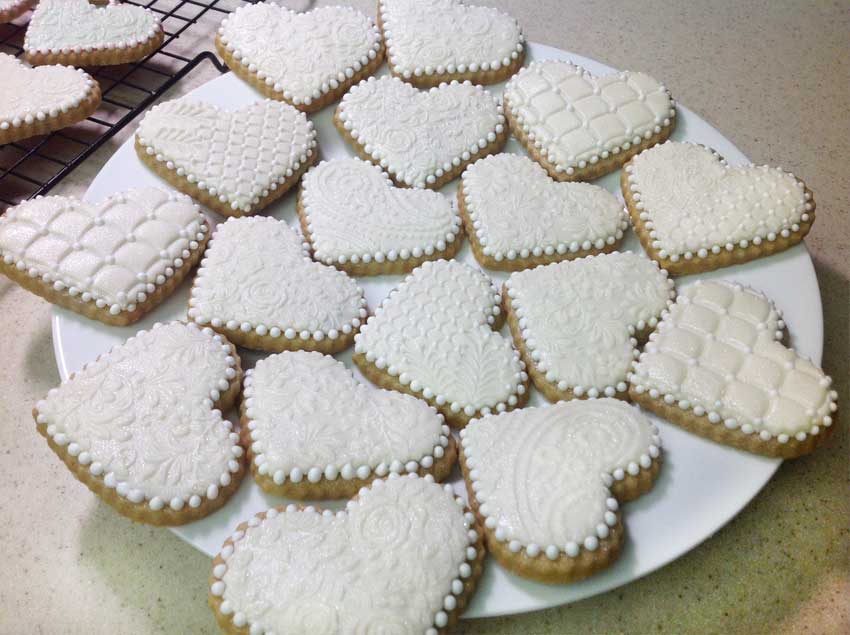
(702, 485)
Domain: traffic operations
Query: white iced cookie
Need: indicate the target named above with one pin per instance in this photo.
(11, 9)
(433, 41)
(113, 261)
(717, 367)
(403, 557)
(316, 432)
(356, 220)
(141, 426)
(258, 286)
(579, 126)
(37, 100)
(693, 212)
(434, 338)
(234, 162)
(307, 59)
(546, 483)
(518, 217)
(577, 324)
(76, 32)
(421, 138)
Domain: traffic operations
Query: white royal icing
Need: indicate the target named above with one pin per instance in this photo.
(354, 214)
(433, 333)
(255, 275)
(575, 119)
(541, 476)
(142, 417)
(694, 205)
(13, 8)
(717, 353)
(237, 156)
(445, 37)
(310, 419)
(417, 136)
(302, 56)
(517, 211)
(394, 561)
(113, 253)
(578, 319)
(78, 26)
(34, 94)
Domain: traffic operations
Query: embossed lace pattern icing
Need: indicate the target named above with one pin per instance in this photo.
(385, 566)
(139, 411)
(114, 249)
(47, 89)
(354, 210)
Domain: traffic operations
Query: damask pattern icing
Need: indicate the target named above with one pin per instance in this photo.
(578, 321)
(518, 212)
(302, 56)
(542, 476)
(309, 419)
(256, 276)
(717, 354)
(298, 571)
(142, 417)
(693, 205)
(354, 214)
(445, 37)
(434, 334)
(418, 136)
(237, 156)
(114, 253)
(575, 119)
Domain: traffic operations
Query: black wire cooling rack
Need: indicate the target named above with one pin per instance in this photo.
(33, 166)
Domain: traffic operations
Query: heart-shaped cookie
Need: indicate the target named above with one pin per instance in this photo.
(434, 338)
(306, 59)
(141, 426)
(517, 217)
(112, 261)
(693, 213)
(233, 162)
(579, 126)
(404, 557)
(78, 33)
(12, 9)
(356, 220)
(259, 287)
(577, 324)
(442, 40)
(316, 432)
(546, 483)
(38, 100)
(716, 366)
(421, 138)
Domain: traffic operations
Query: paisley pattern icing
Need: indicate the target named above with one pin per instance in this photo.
(58, 25)
(256, 275)
(696, 205)
(518, 211)
(578, 319)
(355, 214)
(310, 419)
(142, 416)
(574, 118)
(417, 136)
(113, 253)
(718, 353)
(447, 37)
(392, 562)
(301, 55)
(32, 94)
(238, 156)
(542, 475)
(434, 333)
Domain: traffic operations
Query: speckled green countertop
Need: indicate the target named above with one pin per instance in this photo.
(773, 76)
